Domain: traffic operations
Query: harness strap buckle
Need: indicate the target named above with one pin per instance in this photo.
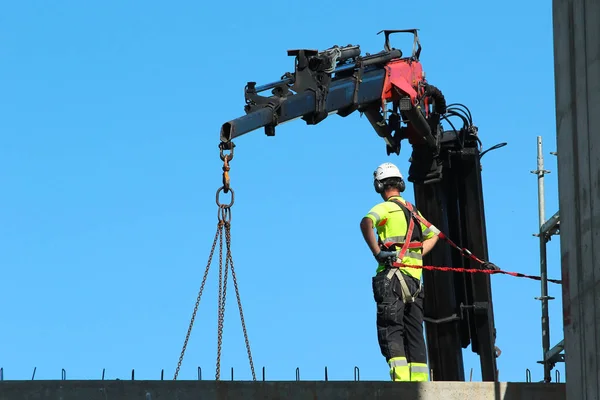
(407, 297)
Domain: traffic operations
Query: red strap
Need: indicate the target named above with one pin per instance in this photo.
(411, 245)
(465, 252)
(407, 242)
(417, 216)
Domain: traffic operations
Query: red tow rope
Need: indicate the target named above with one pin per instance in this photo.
(488, 267)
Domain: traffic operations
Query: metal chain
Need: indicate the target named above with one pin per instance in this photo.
(224, 221)
(221, 322)
(237, 294)
(222, 297)
(220, 310)
(187, 336)
(225, 215)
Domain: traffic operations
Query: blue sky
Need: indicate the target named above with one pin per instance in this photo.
(109, 165)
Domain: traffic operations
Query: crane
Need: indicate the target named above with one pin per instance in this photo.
(445, 168)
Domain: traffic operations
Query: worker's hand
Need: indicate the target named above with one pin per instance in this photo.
(384, 257)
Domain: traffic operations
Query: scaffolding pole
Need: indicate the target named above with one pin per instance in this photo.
(546, 230)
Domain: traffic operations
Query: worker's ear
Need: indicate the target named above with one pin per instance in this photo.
(402, 185)
(378, 186)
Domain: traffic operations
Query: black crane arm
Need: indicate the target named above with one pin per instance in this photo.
(317, 93)
(340, 81)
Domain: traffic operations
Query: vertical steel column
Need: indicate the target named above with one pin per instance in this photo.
(544, 298)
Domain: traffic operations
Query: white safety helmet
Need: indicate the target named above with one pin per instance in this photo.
(387, 170)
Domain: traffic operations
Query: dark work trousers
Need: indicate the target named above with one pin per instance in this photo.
(399, 325)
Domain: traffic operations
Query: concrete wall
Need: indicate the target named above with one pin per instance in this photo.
(577, 74)
(211, 390)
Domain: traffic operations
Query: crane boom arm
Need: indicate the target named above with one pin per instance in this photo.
(278, 110)
(340, 81)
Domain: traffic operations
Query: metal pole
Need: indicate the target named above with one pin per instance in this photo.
(544, 298)
(540, 172)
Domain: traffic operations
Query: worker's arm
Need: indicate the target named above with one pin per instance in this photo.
(428, 244)
(430, 238)
(366, 227)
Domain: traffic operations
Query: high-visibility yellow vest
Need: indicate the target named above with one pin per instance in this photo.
(391, 224)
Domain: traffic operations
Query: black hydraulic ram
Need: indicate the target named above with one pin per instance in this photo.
(320, 87)
(455, 205)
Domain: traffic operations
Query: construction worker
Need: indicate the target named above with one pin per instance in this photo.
(397, 290)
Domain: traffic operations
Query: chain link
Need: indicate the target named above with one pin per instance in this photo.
(224, 224)
(220, 310)
(189, 331)
(237, 293)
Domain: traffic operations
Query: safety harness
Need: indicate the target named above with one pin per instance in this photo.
(413, 240)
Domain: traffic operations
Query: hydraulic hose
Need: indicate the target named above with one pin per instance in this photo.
(438, 98)
(417, 117)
